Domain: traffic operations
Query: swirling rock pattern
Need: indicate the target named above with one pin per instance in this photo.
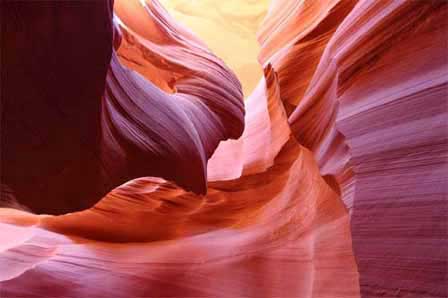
(328, 180)
(133, 130)
(379, 86)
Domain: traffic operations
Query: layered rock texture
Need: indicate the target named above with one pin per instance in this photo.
(132, 165)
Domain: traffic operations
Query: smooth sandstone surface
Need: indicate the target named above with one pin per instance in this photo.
(328, 180)
(374, 114)
(83, 140)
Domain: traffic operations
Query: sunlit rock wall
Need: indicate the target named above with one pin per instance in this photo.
(373, 110)
(327, 180)
(229, 29)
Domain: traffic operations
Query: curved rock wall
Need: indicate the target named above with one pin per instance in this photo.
(374, 114)
(329, 180)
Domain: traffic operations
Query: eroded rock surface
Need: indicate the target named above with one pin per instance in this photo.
(328, 180)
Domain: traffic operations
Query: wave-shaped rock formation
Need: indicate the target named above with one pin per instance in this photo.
(132, 166)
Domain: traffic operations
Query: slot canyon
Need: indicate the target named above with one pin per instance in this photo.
(233, 148)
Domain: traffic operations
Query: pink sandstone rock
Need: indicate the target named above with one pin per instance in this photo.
(336, 186)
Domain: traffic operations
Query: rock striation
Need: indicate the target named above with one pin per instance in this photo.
(373, 111)
(149, 176)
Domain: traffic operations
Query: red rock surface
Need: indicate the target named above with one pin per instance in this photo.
(333, 183)
(374, 114)
(86, 139)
